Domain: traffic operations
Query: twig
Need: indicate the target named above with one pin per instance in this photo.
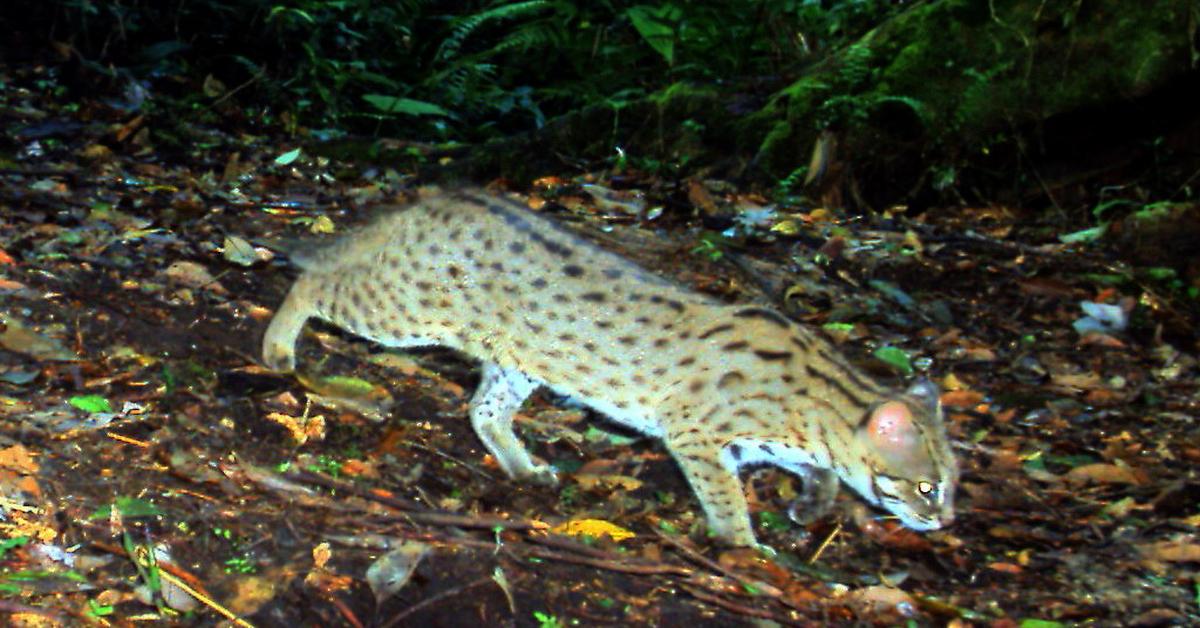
(442, 454)
(734, 607)
(434, 600)
(571, 545)
(643, 569)
(825, 544)
(697, 557)
(414, 512)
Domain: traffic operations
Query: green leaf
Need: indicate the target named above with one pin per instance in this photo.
(91, 403)
(1085, 235)
(130, 508)
(896, 358)
(597, 435)
(287, 157)
(656, 25)
(771, 520)
(407, 106)
(1041, 623)
(8, 544)
(1160, 273)
(347, 386)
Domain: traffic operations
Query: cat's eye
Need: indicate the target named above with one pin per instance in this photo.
(925, 487)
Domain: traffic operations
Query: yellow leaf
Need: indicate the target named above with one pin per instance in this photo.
(595, 528)
(322, 225)
(786, 227)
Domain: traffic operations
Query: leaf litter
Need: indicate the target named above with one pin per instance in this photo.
(141, 439)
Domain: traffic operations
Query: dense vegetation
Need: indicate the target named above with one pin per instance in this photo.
(445, 70)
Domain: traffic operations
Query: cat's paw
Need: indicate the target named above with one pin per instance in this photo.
(543, 475)
(279, 359)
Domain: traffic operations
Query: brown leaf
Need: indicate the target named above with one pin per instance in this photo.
(1180, 551)
(962, 398)
(1103, 473)
(700, 198)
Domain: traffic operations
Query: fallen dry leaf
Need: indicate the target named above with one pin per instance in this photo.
(1104, 473)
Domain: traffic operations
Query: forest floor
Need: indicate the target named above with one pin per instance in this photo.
(145, 453)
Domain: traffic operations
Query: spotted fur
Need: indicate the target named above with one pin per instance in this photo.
(723, 386)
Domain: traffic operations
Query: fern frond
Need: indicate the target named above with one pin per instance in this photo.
(465, 26)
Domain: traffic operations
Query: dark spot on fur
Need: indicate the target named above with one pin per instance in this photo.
(734, 450)
(516, 247)
(764, 314)
(583, 368)
(489, 244)
(627, 340)
(696, 385)
(454, 271)
(561, 298)
(424, 286)
(572, 270)
(590, 347)
(538, 283)
(661, 342)
(566, 338)
(686, 361)
(594, 297)
(604, 324)
(730, 378)
(715, 330)
(537, 329)
(612, 273)
(774, 356)
(736, 346)
(434, 249)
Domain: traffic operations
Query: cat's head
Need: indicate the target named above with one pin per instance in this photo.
(910, 468)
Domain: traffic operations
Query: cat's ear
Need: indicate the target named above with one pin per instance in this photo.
(925, 392)
(892, 429)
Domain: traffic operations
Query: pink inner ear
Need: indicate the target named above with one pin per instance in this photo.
(891, 428)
